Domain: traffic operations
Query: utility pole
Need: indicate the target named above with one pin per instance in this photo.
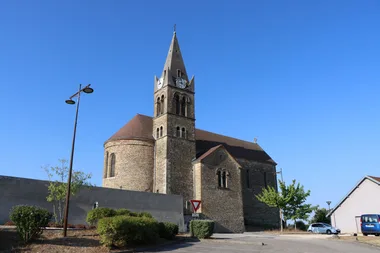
(282, 180)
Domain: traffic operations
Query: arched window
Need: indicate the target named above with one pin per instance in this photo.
(176, 103)
(178, 132)
(219, 174)
(183, 132)
(158, 132)
(158, 107)
(222, 178)
(183, 106)
(113, 161)
(106, 166)
(162, 104)
(161, 130)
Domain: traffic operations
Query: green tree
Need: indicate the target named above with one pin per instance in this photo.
(296, 208)
(320, 216)
(58, 186)
(291, 199)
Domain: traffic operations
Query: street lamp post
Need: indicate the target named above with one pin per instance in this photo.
(86, 89)
(328, 203)
(282, 180)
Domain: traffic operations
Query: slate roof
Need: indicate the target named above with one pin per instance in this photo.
(141, 127)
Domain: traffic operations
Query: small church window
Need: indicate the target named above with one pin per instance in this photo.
(219, 173)
(177, 104)
(161, 131)
(179, 73)
(224, 179)
(178, 133)
(183, 132)
(106, 166)
(162, 104)
(158, 132)
(113, 161)
(183, 106)
(265, 179)
(247, 177)
(158, 107)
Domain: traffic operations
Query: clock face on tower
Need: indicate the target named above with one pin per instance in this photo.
(181, 83)
(160, 82)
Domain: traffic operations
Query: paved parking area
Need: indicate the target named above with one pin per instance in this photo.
(257, 242)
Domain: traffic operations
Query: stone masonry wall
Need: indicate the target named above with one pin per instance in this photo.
(224, 205)
(258, 214)
(133, 165)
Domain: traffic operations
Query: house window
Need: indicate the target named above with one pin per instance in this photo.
(106, 166)
(177, 104)
(113, 161)
(247, 176)
(161, 131)
(158, 107)
(178, 132)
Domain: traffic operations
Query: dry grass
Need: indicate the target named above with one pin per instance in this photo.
(373, 240)
(52, 241)
(286, 231)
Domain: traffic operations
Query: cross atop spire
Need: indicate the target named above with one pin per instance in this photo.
(175, 26)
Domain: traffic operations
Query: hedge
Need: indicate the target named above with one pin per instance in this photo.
(29, 220)
(167, 230)
(95, 215)
(123, 230)
(202, 228)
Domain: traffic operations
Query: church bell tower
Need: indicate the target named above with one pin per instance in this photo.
(174, 126)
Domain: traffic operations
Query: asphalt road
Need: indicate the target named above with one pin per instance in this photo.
(254, 243)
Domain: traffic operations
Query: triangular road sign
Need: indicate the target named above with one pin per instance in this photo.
(196, 204)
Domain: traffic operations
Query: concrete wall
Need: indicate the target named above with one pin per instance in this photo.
(16, 191)
(363, 199)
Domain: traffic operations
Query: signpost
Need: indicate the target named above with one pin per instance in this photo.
(196, 204)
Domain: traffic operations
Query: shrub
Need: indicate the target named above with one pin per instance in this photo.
(145, 214)
(167, 230)
(29, 220)
(123, 211)
(201, 228)
(96, 214)
(121, 231)
(301, 225)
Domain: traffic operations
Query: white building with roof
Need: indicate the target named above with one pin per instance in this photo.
(362, 199)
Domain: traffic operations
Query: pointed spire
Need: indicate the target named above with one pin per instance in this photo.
(174, 64)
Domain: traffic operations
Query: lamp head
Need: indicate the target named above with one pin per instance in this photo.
(70, 102)
(88, 90)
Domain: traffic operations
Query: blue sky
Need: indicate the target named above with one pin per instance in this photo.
(301, 76)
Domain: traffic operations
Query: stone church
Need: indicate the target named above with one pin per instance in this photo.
(166, 154)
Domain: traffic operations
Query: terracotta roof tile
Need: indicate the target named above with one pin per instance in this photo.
(141, 127)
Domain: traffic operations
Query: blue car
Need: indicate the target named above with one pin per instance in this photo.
(370, 224)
